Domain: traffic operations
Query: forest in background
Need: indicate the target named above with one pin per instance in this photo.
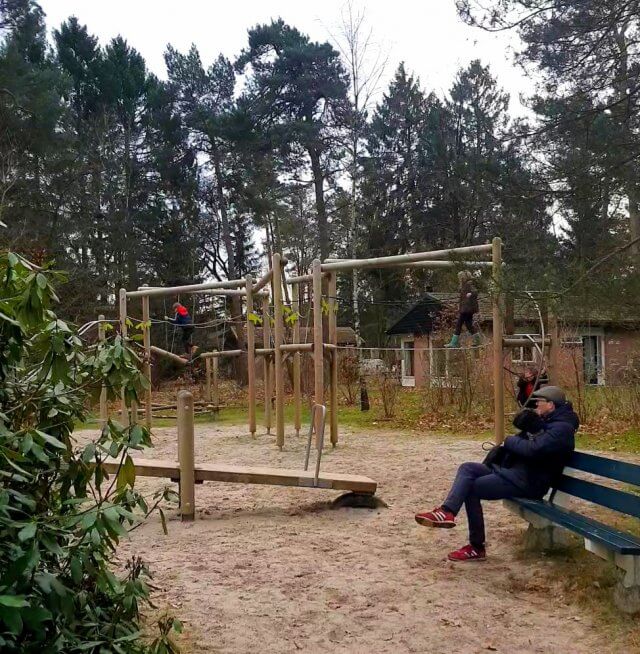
(123, 179)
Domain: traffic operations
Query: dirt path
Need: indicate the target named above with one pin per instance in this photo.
(266, 569)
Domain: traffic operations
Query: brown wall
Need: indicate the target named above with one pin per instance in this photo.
(619, 346)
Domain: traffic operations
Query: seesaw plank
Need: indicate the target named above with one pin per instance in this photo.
(253, 475)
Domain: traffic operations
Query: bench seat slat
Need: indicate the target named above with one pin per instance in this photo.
(603, 467)
(614, 539)
(610, 497)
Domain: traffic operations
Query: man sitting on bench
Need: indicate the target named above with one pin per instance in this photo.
(524, 466)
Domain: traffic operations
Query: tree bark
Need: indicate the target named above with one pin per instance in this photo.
(321, 209)
(239, 363)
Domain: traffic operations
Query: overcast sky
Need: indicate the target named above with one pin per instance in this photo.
(427, 35)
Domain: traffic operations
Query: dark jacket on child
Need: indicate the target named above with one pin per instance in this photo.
(468, 304)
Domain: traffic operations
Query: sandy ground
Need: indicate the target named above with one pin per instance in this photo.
(269, 569)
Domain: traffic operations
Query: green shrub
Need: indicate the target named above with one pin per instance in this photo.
(61, 515)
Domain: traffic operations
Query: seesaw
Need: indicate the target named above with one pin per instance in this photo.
(360, 489)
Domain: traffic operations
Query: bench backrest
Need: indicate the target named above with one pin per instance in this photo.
(629, 473)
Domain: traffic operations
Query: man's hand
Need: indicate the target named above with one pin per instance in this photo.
(528, 420)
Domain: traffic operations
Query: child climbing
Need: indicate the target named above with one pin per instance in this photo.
(183, 320)
(467, 307)
(528, 382)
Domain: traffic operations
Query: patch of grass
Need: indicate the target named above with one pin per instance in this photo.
(628, 441)
(411, 414)
(577, 575)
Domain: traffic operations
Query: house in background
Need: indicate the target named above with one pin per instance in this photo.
(602, 346)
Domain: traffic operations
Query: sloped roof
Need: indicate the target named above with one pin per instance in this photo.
(420, 318)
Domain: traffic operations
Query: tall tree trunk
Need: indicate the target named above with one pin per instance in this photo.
(624, 111)
(355, 305)
(240, 369)
(321, 209)
(633, 195)
(130, 240)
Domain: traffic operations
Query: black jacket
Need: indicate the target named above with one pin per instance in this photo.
(534, 461)
(468, 304)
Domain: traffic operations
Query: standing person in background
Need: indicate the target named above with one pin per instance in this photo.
(467, 307)
(183, 320)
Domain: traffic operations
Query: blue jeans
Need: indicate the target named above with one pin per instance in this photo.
(475, 482)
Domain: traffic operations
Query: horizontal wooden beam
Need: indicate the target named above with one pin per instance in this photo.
(427, 265)
(190, 288)
(517, 341)
(382, 262)
(221, 353)
(262, 282)
(297, 347)
(231, 292)
(169, 355)
(301, 279)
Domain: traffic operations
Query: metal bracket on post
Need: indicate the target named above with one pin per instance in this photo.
(320, 439)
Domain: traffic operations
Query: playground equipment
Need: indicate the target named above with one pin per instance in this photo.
(188, 473)
(323, 281)
(324, 274)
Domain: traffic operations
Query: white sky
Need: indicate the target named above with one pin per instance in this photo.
(427, 35)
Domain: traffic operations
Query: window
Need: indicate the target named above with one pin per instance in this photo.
(524, 355)
(407, 363)
(444, 367)
(592, 359)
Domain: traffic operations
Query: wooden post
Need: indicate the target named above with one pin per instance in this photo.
(104, 407)
(498, 372)
(266, 337)
(333, 339)
(207, 368)
(509, 314)
(186, 455)
(278, 337)
(215, 390)
(251, 357)
(318, 349)
(146, 336)
(297, 405)
(123, 335)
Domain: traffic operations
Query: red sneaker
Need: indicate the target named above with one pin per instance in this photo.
(439, 517)
(468, 553)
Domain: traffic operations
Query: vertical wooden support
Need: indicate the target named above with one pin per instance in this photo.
(123, 334)
(509, 311)
(278, 337)
(333, 339)
(146, 337)
(297, 404)
(498, 372)
(215, 390)
(251, 357)
(266, 336)
(553, 371)
(186, 455)
(104, 407)
(318, 353)
(207, 368)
